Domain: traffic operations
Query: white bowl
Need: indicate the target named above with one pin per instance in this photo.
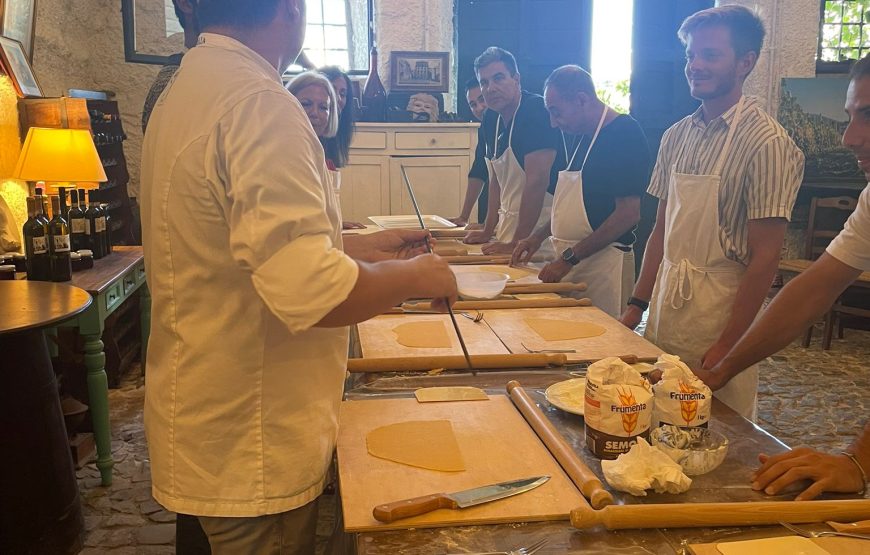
(480, 285)
(697, 450)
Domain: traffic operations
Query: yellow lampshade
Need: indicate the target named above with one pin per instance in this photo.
(59, 155)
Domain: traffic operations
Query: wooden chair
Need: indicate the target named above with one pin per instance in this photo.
(827, 218)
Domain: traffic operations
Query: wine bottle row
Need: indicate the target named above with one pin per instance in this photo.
(48, 243)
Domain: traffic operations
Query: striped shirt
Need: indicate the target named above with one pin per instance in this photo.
(760, 176)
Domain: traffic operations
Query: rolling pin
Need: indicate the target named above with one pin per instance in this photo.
(517, 288)
(478, 259)
(426, 306)
(445, 233)
(457, 362)
(695, 515)
(585, 480)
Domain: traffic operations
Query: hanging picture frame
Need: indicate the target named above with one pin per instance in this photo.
(420, 71)
(18, 22)
(15, 64)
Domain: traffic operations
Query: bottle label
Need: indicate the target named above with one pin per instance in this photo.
(79, 225)
(40, 245)
(61, 243)
(101, 224)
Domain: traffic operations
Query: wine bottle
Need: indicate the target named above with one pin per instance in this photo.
(374, 97)
(77, 223)
(41, 205)
(94, 226)
(58, 244)
(36, 244)
(107, 234)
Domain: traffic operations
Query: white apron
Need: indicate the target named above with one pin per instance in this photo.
(602, 272)
(697, 282)
(512, 182)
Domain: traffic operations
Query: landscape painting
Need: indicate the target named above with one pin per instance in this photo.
(811, 110)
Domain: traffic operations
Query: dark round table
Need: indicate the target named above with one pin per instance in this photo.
(40, 508)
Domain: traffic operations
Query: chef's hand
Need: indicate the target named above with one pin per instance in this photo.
(713, 378)
(834, 473)
(554, 271)
(392, 244)
(524, 250)
(498, 248)
(435, 280)
(631, 316)
(458, 220)
(715, 354)
(477, 237)
(473, 227)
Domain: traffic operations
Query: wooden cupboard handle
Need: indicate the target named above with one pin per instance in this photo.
(390, 512)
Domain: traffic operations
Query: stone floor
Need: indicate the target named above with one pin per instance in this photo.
(807, 396)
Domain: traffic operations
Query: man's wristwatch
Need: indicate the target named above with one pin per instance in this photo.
(569, 256)
(640, 303)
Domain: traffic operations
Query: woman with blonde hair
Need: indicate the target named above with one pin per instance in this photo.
(315, 93)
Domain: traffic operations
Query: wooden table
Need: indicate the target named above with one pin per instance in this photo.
(113, 279)
(730, 482)
(41, 509)
(797, 265)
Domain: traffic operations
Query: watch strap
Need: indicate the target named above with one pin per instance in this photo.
(640, 303)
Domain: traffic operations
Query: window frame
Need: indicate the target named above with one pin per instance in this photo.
(823, 67)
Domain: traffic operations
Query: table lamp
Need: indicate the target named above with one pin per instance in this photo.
(61, 157)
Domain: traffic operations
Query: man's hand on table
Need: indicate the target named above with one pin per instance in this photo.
(458, 220)
(834, 473)
(554, 271)
(392, 244)
(525, 249)
(477, 237)
(713, 378)
(631, 316)
(498, 248)
(352, 225)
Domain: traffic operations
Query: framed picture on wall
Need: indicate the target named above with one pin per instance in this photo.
(16, 65)
(17, 22)
(420, 71)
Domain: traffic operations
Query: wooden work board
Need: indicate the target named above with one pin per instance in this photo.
(496, 443)
(510, 326)
(831, 545)
(377, 339)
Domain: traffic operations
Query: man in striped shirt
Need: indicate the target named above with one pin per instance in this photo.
(727, 177)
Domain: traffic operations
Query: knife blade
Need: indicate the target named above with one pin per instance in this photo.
(405, 508)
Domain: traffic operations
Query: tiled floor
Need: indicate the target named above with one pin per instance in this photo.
(806, 396)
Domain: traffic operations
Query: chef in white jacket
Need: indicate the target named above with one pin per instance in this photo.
(252, 292)
(726, 177)
(596, 205)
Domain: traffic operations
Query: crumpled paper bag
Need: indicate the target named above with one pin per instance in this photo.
(645, 467)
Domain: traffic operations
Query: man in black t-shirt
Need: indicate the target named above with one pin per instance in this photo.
(478, 175)
(520, 150)
(597, 198)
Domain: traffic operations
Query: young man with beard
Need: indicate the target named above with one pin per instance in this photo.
(727, 177)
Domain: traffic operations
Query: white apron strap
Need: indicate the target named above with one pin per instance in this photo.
(510, 133)
(594, 137)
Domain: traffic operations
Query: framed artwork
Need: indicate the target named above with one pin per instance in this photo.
(17, 22)
(420, 71)
(811, 111)
(15, 63)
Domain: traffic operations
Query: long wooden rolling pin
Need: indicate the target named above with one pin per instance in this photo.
(694, 515)
(452, 233)
(518, 288)
(426, 306)
(478, 259)
(585, 480)
(457, 362)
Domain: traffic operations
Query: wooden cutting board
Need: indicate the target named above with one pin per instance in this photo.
(510, 327)
(517, 275)
(496, 443)
(377, 339)
(832, 545)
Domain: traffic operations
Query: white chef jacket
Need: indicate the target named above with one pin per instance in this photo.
(242, 251)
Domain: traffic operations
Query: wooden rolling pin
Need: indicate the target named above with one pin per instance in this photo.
(699, 515)
(585, 480)
(448, 233)
(457, 362)
(519, 288)
(426, 306)
(479, 259)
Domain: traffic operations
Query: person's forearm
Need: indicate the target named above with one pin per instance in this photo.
(861, 448)
(794, 309)
(652, 259)
(751, 292)
(615, 226)
(493, 206)
(378, 287)
(530, 209)
(472, 193)
(542, 232)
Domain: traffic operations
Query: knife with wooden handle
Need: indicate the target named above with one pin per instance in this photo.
(860, 527)
(390, 512)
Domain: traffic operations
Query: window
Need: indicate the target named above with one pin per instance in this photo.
(338, 34)
(611, 51)
(844, 34)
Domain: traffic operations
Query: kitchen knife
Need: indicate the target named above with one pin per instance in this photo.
(458, 500)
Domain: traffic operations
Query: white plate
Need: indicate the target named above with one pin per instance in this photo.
(410, 221)
(568, 395)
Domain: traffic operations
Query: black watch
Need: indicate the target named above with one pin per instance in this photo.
(640, 303)
(569, 256)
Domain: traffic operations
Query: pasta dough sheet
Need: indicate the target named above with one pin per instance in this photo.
(562, 330)
(429, 444)
(513, 273)
(787, 545)
(431, 335)
(453, 393)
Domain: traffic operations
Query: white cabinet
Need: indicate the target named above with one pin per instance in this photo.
(436, 156)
